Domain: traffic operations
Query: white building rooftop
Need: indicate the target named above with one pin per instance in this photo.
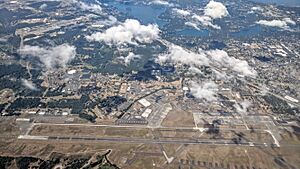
(70, 72)
(146, 113)
(291, 99)
(144, 102)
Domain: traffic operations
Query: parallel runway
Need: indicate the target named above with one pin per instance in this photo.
(186, 141)
(160, 141)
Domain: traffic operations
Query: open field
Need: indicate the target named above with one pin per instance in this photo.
(133, 156)
(179, 118)
(92, 131)
(9, 128)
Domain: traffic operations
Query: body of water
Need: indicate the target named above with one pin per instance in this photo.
(146, 14)
(290, 3)
(248, 32)
(192, 32)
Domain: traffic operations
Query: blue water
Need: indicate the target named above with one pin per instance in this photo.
(144, 13)
(290, 3)
(264, 58)
(251, 31)
(192, 32)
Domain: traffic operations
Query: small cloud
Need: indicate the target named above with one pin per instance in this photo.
(215, 10)
(162, 2)
(43, 6)
(284, 23)
(178, 54)
(264, 90)
(52, 57)
(221, 58)
(257, 8)
(289, 21)
(192, 24)
(181, 12)
(28, 84)
(220, 75)
(242, 107)
(129, 58)
(195, 70)
(90, 7)
(110, 21)
(273, 23)
(206, 21)
(205, 90)
(129, 32)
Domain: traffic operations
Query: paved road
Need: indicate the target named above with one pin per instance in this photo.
(138, 126)
(152, 141)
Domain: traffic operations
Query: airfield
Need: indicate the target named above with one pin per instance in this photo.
(187, 143)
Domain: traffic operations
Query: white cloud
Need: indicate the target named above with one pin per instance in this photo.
(181, 12)
(206, 21)
(178, 54)
(242, 107)
(257, 8)
(205, 90)
(192, 24)
(220, 75)
(284, 23)
(130, 57)
(131, 32)
(289, 21)
(264, 90)
(90, 7)
(221, 58)
(28, 84)
(111, 20)
(162, 2)
(43, 6)
(58, 56)
(215, 10)
(83, 5)
(195, 70)
(274, 23)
